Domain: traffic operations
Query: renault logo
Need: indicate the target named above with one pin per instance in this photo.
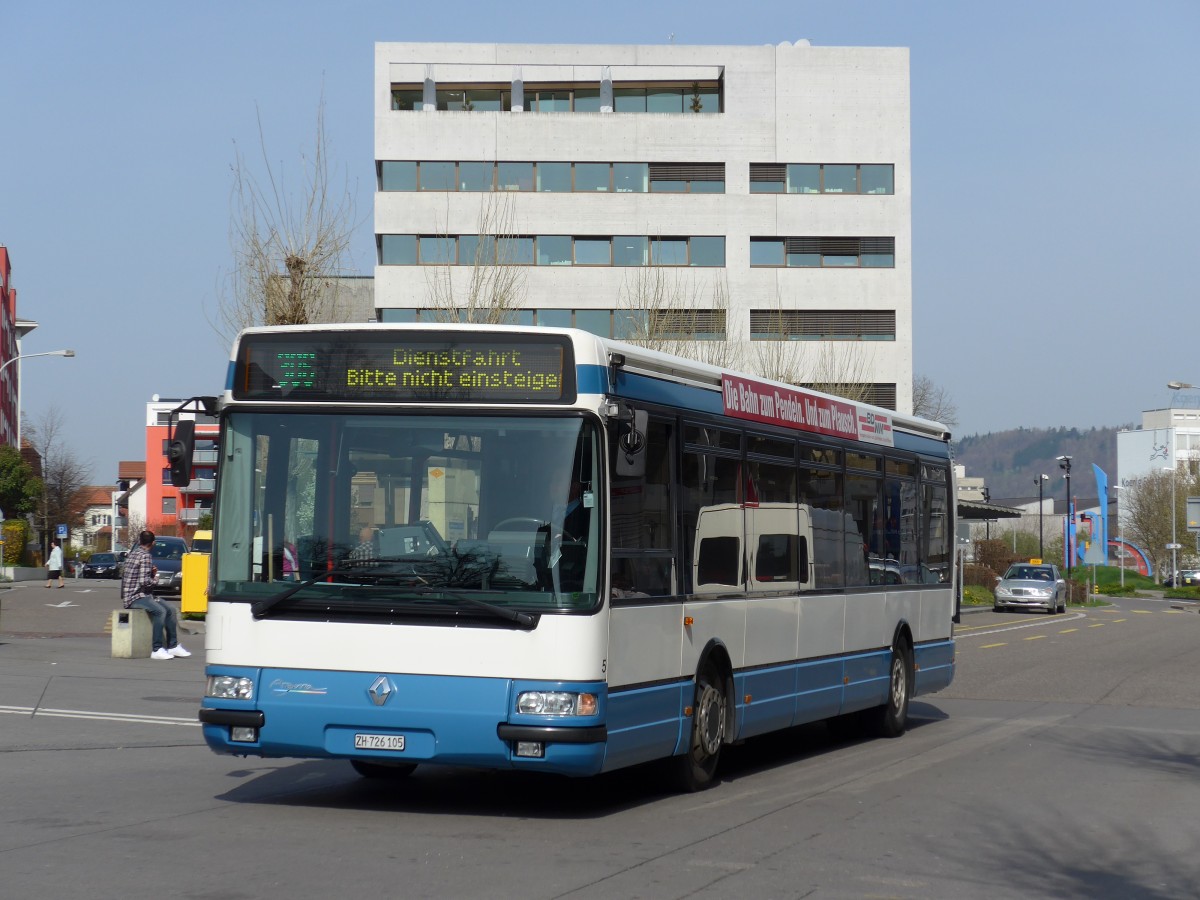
(380, 690)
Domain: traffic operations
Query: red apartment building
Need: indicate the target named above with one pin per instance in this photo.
(172, 510)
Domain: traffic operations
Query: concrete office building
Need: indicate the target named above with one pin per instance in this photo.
(766, 189)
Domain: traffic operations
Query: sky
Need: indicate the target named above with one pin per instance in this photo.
(1053, 284)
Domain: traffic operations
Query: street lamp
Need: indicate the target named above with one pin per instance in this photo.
(1041, 511)
(1064, 463)
(1180, 385)
(9, 362)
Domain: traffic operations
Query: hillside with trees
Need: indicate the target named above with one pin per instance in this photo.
(1010, 462)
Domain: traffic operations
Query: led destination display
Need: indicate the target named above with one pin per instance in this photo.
(397, 367)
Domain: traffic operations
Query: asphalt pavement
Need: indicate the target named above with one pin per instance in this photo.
(70, 629)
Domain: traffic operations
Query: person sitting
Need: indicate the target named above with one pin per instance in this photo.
(368, 545)
(137, 583)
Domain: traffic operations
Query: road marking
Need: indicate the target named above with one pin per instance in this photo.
(1035, 637)
(1142, 612)
(61, 605)
(1115, 621)
(1098, 625)
(191, 722)
(1068, 630)
(990, 646)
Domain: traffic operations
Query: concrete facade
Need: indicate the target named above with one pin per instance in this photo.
(785, 104)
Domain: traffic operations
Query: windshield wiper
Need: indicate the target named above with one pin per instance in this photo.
(259, 608)
(525, 620)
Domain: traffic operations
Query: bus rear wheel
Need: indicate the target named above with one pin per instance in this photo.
(392, 771)
(696, 768)
(891, 719)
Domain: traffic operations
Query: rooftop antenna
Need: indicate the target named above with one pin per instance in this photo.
(671, 38)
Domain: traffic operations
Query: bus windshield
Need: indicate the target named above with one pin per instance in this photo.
(387, 513)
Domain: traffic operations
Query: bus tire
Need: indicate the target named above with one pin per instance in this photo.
(697, 766)
(891, 719)
(389, 771)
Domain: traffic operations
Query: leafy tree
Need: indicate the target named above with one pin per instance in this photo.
(20, 488)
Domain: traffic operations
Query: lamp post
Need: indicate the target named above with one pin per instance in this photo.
(20, 356)
(1041, 514)
(1064, 463)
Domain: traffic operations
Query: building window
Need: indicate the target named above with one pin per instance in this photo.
(168, 505)
(824, 252)
(703, 251)
(822, 325)
(695, 178)
(817, 178)
(557, 177)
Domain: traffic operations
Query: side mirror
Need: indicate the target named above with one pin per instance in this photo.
(631, 444)
(998, 579)
(179, 452)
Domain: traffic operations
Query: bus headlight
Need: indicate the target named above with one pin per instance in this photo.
(229, 687)
(556, 703)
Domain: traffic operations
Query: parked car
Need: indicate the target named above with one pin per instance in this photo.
(1189, 577)
(1026, 586)
(167, 556)
(102, 565)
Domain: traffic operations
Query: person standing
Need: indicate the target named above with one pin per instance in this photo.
(137, 582)
(54, 564)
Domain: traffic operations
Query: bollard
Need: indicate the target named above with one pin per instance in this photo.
(131, 634)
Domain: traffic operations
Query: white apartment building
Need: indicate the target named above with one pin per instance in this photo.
(1167, 439)
(765, 189)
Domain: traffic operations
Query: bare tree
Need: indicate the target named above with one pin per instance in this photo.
(63, 475)
(842, 368)
(1148, 508)
(490, 288)
(933, 401)
(667, 309)
(288, 247)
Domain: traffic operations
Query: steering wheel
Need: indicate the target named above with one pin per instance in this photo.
(532, 523)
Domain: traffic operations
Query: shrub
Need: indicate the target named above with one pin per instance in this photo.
(16, 536)
(979, 576)
(973, 595)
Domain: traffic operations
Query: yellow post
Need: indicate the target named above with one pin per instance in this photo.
(194, 592)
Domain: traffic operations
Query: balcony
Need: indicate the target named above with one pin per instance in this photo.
(200, 486)
(204, 457)
(190, 516)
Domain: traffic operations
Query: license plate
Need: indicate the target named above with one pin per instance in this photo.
(379, 742)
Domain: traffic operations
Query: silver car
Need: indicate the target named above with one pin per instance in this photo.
(1029, 586)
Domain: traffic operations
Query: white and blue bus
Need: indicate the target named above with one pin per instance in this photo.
(538, 550)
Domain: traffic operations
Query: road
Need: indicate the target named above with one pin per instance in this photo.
(1061, 763)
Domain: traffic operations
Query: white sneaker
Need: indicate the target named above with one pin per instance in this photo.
(161, 653)
(178, 650)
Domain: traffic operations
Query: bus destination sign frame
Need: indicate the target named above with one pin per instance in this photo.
(405, 367)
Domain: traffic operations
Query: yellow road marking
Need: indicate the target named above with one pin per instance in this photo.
(990, 646)
(1036, 637)
(1119, 620)
(1142, 612)
(1098, 625)
(1068, 630)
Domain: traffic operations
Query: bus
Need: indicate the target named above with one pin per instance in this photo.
(535, 549)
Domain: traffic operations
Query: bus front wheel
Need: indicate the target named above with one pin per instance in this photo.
(696, 768)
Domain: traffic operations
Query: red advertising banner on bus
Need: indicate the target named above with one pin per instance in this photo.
(745, 398)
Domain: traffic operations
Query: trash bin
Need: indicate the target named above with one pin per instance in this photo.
(193, 596)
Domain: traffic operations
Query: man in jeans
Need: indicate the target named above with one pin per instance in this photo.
(136, 584)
